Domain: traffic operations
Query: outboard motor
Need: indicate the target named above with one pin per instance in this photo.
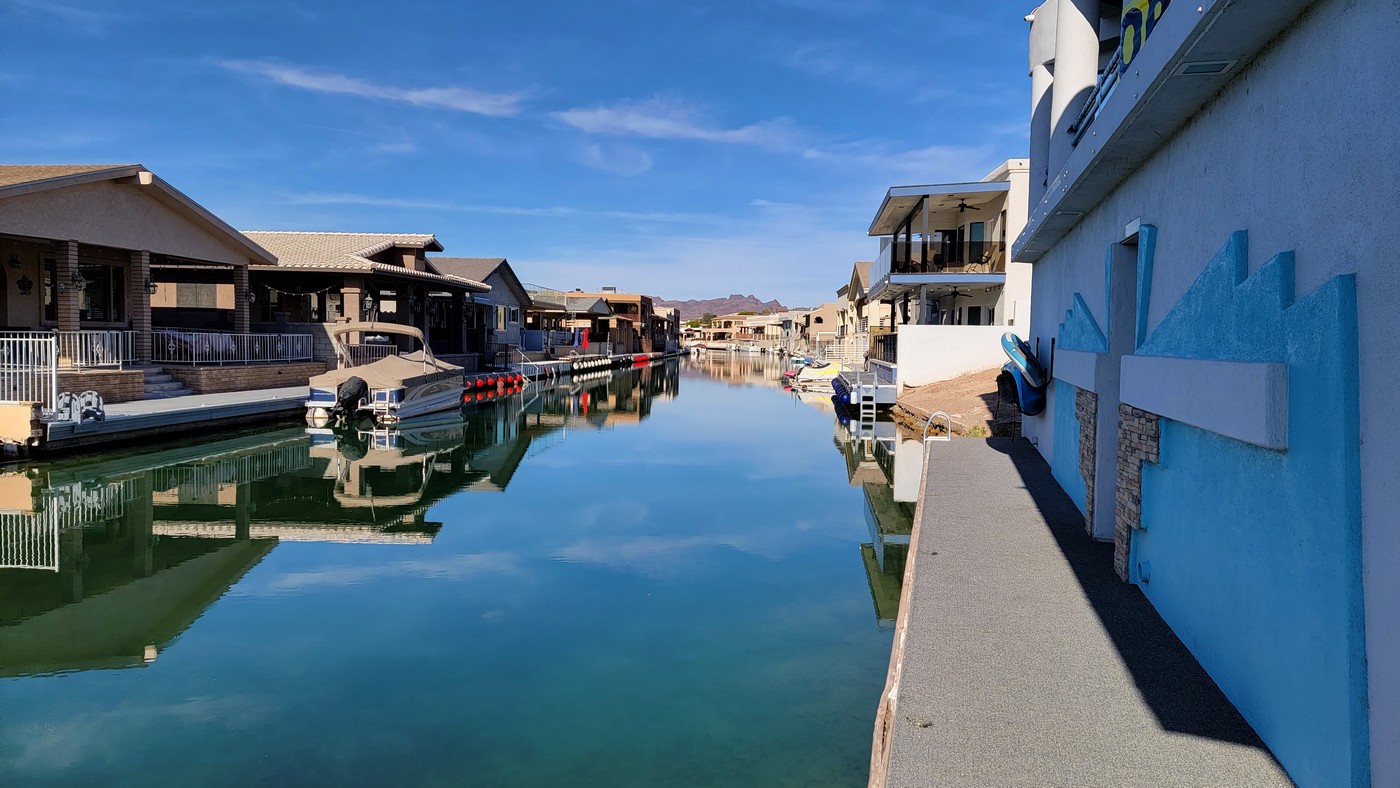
(350, 394)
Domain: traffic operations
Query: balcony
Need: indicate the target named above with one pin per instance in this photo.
(981, 261)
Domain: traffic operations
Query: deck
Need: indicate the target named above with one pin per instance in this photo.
(129, 421)
(1021, 659)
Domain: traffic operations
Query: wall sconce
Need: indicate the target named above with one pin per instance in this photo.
(367, 303)
(14, 260)
(62, 288)
(78, 281)
(151, 285)
(417, 306)
(249, 295)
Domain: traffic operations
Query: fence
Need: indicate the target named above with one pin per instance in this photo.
(369, 353)
(27, 542)
(214, 348)
(886, 348)
(29, 369)
(850, 349)
(538, 340)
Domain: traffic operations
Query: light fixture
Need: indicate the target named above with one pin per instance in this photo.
(151, 285)
(14, 260)
(62, 288)
(78, 280)
(249, 295)
(367, 303)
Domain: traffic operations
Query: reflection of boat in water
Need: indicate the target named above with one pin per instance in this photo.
(393, 388)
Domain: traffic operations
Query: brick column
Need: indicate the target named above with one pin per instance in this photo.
(1086, 409)
(1139, 434)
(65, 257)
(240, 298)
(137, 274)
(350, 302)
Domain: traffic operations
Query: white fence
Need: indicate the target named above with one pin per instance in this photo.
(361, 354)
(86, 349)
(29, 369)
(850, 349)
(215, 348)
(27, 542)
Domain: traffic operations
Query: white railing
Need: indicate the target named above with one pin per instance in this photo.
(87, 349)
(215, 348)
(362, 354)
(28, 542)
(29, 369)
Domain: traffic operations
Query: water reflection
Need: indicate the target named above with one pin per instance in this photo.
(103, 563)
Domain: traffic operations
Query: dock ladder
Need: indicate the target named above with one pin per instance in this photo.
(867, 405)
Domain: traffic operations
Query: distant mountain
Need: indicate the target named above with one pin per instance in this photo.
(693, 309)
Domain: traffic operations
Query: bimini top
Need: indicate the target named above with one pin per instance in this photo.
(377, 328)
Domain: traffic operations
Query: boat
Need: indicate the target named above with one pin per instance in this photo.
(391, 389)
(819, 374)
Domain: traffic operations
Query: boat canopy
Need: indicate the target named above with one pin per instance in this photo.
(376, 328)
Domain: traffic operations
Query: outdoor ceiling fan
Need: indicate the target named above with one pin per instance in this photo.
(956, 295)
(963, 207)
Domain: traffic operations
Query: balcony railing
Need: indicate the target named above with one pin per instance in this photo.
(215, 348)
(885, 347)
(368, 353)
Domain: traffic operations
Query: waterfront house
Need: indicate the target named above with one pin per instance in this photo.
(508, 298)
(125, 274)
(943, 282)
(631, 325)
(1212, 236)
(559, 323)
(324, 278)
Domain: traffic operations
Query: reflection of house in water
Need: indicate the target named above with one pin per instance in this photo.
(887, 468)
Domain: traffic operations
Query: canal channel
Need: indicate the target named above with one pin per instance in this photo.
(677, 575)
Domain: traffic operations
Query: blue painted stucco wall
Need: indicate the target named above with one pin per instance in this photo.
(1253, 556)
(1064, 462)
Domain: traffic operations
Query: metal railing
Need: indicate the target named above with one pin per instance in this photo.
(216, 348)
(28, 542)
(885, 347)
(968, 257)
(87, 349)
(29, 369)
(368, 353)
(1107, 81)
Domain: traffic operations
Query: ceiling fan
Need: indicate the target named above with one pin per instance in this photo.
(963, 207)
(955, 295)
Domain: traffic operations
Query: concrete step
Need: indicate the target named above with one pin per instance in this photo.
(170, 385)
(157, 377)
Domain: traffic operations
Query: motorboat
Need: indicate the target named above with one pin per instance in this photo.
(818, 374)
(400, 385)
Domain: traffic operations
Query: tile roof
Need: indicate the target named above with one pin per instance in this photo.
(15, 174)
(311, 251)
(863, 271)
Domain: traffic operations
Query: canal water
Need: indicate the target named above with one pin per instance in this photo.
(679, 575)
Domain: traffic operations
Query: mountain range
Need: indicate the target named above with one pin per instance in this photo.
(697, 308)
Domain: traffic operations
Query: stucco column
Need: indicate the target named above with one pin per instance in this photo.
(65, 256)
(136, 275)
(240, 299)
(1076, 72)
(1042, 65)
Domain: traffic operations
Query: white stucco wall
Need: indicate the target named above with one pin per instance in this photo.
(1301, 151)
(928, 354)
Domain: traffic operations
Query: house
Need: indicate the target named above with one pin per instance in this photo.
(943, 283)
(507, 295)
(125, 274)
(559, 323)
(634, 330)
(321, 279)
(819, 325)
(1212, 238)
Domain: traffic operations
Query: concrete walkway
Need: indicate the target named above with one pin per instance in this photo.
(1025, 661)
(158, 418)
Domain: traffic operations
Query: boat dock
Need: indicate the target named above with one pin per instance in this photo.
(857, 389)
(176, 415)
(1020, 658)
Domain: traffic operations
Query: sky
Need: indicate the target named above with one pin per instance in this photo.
(685, 150)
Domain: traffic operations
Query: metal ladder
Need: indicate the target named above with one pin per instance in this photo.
(867, 405)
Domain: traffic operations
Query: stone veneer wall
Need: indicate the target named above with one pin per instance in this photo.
(1139, 433)
(216, 380)
(1086, 410)
(115, 385)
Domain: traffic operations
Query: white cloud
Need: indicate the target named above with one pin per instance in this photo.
(459, 99)
(547, 212)
(85, 19)
(616, 159)
(666, 118)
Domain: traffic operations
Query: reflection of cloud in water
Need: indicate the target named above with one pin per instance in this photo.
(458, 567)
(107, 736)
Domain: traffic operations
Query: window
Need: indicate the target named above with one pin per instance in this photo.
(816, 320)
(102, 299)
(514, 316)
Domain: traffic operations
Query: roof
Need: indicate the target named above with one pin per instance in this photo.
(317, 251)
(21, 179)
(863, 273)
(587, 305)
(16, 174)
(900, 201)
(480, 269)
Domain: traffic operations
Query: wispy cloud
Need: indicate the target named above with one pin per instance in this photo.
(548, 212)
(86, 19)
(666, 118)
(459, 99)
(616, 159)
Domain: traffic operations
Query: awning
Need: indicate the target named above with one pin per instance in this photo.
(943, 198)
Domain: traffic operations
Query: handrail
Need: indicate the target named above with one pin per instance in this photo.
(948, 427)
(1096, 99)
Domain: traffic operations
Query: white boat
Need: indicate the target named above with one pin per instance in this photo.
(818, 375)
(391, 389)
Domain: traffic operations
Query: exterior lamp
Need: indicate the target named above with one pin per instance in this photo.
(249, 295)
(14, 260)
(151, 285)
(78, 281)
(367, 303)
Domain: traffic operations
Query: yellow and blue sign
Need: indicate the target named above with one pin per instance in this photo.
(1139, 20)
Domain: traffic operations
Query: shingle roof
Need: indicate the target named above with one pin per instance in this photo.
(312, 251)
(863, 271)
(478, 268)
(15, 174)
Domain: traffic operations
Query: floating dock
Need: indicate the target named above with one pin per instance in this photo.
(163, 418)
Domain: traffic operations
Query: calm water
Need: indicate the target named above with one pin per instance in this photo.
(673, 576)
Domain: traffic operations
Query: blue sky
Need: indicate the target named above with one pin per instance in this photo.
(684, 150)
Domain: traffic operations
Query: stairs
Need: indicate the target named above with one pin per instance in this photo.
(160, 385)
